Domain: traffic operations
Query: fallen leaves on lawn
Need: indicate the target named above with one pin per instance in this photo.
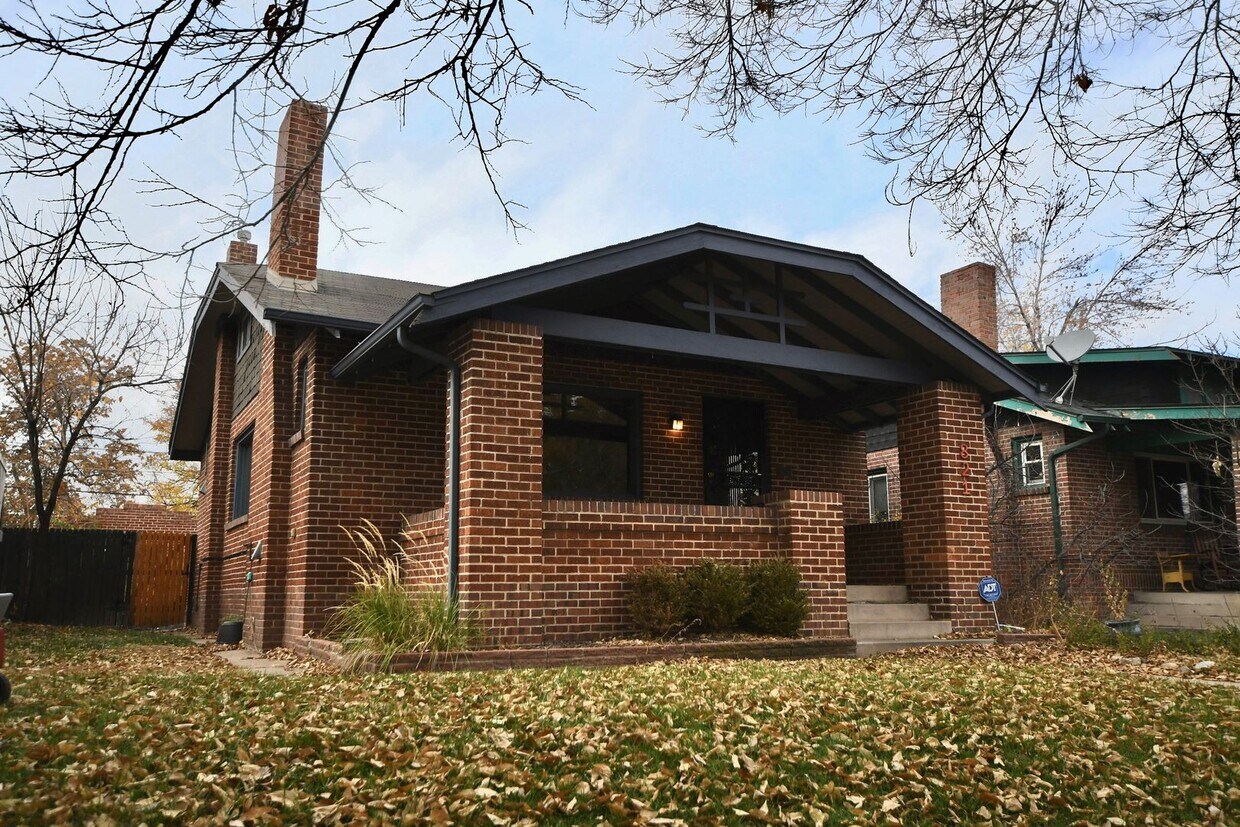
(169, 734)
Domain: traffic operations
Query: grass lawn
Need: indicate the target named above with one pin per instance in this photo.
(129, 728)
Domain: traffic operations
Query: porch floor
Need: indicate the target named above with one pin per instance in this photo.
(1185, 610)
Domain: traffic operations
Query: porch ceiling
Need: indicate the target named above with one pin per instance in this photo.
(828, 328)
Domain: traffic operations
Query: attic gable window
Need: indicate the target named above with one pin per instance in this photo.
(245, 336)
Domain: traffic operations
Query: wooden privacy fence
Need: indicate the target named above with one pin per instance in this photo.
(86, 577)
(160, 585)
(68, 577)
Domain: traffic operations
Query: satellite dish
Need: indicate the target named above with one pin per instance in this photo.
(1068, 348)
(1071, 346)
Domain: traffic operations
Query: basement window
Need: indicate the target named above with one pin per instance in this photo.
(1030, 462)
(243, 453)
(591, 443)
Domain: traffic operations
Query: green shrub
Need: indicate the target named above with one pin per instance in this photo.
(656, 601)
(777, 603)
(381, 617)
(716, 596)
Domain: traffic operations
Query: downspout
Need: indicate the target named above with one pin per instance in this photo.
(1056, 526)
(454, 453)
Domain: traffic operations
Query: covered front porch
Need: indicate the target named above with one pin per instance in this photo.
(694, 397)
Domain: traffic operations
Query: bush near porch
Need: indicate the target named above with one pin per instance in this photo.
(134, 731)
(716, 597)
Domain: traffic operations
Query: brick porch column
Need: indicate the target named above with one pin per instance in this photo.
(501, 542)
(944, 504)
(812, 529)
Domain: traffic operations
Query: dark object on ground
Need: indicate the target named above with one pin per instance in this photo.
(230, 632)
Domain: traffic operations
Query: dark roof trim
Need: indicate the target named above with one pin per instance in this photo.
(315, 320)
(577, 327)
(473, 297)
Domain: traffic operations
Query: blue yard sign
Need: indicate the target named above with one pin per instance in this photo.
(989, 589)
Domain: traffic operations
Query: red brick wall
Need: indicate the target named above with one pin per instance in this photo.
(945, 505)
(812, 527)
(371, 450)
(426, 555)
(589, 547)
(804, 454)
(501, 478)
(146, 517)
(213, 475)
(874, 554)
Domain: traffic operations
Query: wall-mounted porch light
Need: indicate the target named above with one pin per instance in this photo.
(676, 422)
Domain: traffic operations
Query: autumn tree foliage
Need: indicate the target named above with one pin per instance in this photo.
(67, 354)
(169, 482)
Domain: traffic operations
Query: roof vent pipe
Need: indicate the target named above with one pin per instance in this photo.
(454, 453)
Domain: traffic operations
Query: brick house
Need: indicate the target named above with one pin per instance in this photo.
(700, 392)
(1144, 453)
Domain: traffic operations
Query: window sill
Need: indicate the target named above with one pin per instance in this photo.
(296, 438)
(1167, 521)
(1031, 490)
(237, 523)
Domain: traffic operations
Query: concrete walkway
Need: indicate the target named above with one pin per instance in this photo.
(252, 662)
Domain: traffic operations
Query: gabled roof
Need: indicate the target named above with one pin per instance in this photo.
(342, 301)
(847, 280)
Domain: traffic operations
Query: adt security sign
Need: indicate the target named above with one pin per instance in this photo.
(989, 589)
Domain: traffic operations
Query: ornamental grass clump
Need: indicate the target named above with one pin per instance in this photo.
(777, 603)
(383, 618)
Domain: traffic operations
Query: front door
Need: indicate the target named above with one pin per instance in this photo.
(734, 448)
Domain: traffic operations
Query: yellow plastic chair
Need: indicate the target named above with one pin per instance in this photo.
(1174, 570)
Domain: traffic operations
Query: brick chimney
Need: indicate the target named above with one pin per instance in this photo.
(967, 295)
(293, 257)
(241, 251)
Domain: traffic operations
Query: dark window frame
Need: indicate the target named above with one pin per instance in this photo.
(633, 429)
(871, 475)
(1019, 445)
(245, 336)
(301, 392)
(1149, 505)
(243, 461)
(764, 444)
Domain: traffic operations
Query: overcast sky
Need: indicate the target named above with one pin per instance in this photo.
(623, 167)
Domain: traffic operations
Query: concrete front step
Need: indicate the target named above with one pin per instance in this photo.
(889, 612)
(1230, 600)
(878, 647)
(878, 594)
(871, 631)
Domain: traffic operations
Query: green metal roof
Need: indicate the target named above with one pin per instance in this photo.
(1059, 417)
(1168, 413)
(1117, 354)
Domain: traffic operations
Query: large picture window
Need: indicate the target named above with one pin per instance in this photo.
(243, 453)
(591, 443)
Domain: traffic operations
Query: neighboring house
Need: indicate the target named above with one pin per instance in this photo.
(131, 516)
(697, 393)
(1145, 452)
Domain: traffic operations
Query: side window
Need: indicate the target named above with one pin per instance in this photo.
(243, 453)
(880, 504)
(299, 396)
(245, 336)
(1030, 462)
